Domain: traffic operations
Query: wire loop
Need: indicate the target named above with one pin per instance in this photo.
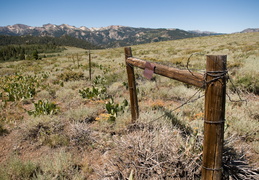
(214, 122)
(212, 169)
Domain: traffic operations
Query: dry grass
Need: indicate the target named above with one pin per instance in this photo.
(80, 142)
(147, 151)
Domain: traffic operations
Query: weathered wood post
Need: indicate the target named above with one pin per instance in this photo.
(215, 98)
(132, 86)
(77, 58)
(90, 66)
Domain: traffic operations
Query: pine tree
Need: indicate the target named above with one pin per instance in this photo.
(35, 55)
(22, 55)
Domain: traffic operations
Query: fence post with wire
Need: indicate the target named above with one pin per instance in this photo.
(132, 86)
(214, 83)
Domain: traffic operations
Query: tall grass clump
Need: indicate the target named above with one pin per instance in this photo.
(154, 150)
(246, 78)
(15, 168)
(2, 129)
(59, 165)
(70, 75)
(46, 131)
(151, 155)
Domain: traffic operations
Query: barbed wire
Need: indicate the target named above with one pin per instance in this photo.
(188, 101)
(237, 92)
(218, 75)
(188, 62)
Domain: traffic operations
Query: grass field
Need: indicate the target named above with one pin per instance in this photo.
(57, 124)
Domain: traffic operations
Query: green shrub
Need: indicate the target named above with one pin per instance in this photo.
(94, 93)
(44, 108)
(17, 87)
(99, 80)
(113, 108)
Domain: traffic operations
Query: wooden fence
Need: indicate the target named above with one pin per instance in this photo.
(214, 83)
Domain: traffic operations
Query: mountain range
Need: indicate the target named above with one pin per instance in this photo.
(248, 30)
(106, 37)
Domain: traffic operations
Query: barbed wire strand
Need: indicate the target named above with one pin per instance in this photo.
(216, 77)
(237, 92)
(226, 74)
(188, 62)
(188, 101)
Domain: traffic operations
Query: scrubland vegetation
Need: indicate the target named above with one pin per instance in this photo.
(57, 124)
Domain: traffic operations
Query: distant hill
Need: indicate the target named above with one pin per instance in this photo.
(111, 36)
(250, 30)
(64, 40)
(204, 33)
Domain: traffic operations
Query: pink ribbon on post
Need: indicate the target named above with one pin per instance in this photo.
(149, 70)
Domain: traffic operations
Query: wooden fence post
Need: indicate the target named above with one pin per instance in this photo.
(132, 87)
(77, 58)
(215, 98)
(90, 66)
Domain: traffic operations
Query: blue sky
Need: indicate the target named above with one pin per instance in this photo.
(223, 16)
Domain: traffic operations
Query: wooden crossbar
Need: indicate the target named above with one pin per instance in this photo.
(185, 76)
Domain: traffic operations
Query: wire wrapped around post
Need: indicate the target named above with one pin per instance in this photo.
(214, 118)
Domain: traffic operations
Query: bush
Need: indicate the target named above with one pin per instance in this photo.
(44, 108)
(154, 153)
(17, 87)
(47, 132)
(71, 76)
(18, 169)
(113, 109)
(2, 130)
(99, 80)
(59, 166)
(94, 93)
